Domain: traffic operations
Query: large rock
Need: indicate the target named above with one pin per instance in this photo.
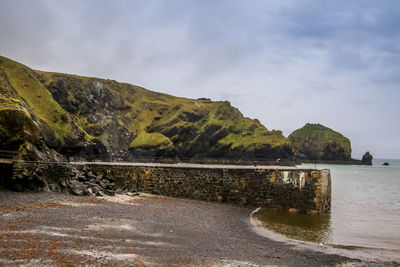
(366, 159)
(78, 188)
(317, 142)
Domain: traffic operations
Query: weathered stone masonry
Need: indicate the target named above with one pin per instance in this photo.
(304, 190)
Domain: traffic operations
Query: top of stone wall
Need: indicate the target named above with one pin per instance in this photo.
(199, 166)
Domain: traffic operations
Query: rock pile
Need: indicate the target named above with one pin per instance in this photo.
(59, 177)
(86, 183)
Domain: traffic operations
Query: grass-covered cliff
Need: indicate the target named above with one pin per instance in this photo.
(317, 142)
(77, 115)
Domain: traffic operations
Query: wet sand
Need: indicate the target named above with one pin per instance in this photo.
(38, 229)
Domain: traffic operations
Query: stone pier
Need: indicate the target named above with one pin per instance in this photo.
(295, 189)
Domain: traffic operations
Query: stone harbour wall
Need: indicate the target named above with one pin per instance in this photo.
(295, 189)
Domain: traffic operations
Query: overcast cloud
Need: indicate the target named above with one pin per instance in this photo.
(283, 62)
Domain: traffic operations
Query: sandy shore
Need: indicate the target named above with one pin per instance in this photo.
(146, 230)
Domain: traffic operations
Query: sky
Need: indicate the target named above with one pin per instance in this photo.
(285, 63)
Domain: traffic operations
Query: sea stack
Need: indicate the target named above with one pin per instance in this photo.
(316, 142)
(367, 159)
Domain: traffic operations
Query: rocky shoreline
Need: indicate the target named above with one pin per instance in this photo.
(50, 228)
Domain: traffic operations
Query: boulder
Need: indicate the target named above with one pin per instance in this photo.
(77, 188)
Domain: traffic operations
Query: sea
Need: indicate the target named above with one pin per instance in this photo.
(365, 211)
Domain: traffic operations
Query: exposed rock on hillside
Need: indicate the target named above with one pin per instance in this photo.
(367, 159)
(317, 142)
(83, 116)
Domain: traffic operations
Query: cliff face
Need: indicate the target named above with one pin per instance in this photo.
(76, 115)
(317, 142)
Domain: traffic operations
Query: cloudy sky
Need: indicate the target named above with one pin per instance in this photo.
(283, 62)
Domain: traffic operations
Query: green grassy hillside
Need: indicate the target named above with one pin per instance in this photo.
(78, 115)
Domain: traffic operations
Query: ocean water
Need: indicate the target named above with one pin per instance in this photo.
(365, 210)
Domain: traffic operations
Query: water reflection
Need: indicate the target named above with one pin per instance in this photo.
(306, 227)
